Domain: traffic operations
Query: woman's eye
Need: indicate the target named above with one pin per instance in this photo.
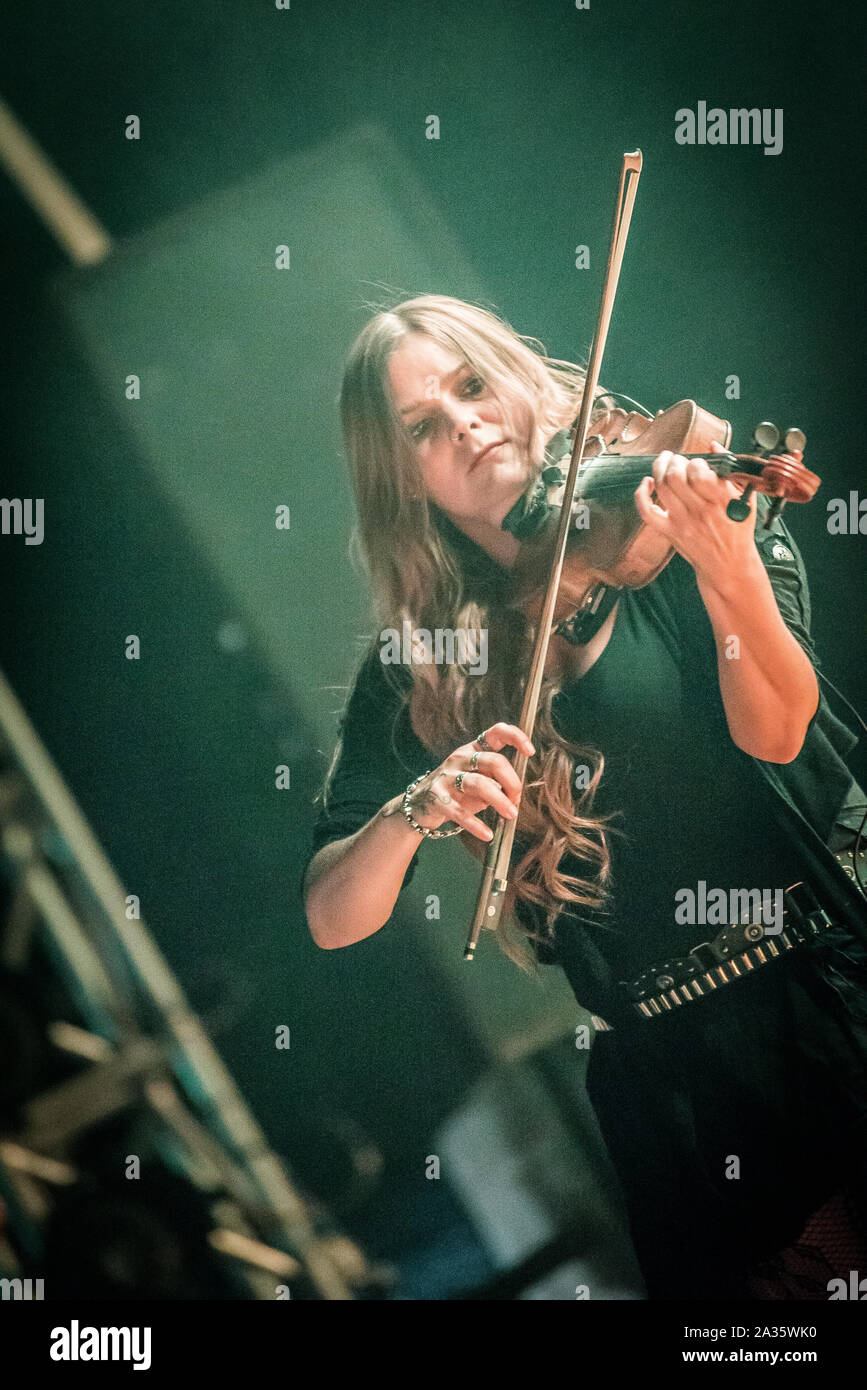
(419, 429)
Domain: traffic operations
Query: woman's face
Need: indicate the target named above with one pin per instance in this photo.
(453, 417)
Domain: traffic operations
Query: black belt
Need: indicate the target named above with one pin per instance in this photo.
(740, 949)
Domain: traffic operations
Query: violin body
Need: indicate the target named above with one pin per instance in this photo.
(609, 544)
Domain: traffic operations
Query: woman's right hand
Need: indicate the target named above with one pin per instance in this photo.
(494, 782)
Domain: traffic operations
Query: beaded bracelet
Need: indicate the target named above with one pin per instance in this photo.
(443, 832)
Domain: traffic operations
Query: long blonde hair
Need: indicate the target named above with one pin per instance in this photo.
(416, 575)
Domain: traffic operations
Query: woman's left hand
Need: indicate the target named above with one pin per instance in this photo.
(690, 512)
(767, 682)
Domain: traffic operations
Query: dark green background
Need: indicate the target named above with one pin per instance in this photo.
(737, 263)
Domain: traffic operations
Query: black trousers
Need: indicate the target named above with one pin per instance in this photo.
(731, 1120)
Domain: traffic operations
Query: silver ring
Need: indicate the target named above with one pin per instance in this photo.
(459, 781)
(483, 742)
(474, 762)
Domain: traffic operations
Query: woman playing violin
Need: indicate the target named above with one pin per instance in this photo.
(682, 756)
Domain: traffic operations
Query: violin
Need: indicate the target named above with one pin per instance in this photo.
(609, 546)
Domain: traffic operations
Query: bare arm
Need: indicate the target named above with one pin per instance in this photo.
(351, 885)
(767, 682)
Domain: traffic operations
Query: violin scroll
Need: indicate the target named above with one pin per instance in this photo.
(782, 477)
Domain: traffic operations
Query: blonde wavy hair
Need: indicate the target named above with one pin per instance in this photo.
(415, 575)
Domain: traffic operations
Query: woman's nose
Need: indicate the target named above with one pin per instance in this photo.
(465, 420)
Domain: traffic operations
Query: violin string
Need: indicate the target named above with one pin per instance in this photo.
(615, 461)
(602, 487)
(639, 465)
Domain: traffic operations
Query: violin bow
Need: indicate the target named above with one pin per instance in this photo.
(495, 874)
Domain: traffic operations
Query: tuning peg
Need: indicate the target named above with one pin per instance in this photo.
(795, 439)
(766, 435)
(738, 508)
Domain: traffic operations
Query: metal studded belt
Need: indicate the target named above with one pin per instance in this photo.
(739, 949)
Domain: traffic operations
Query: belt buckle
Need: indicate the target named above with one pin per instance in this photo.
(709, 959)
(660, 978)
(733, 940)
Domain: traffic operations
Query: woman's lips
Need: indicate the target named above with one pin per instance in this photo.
(486, 453)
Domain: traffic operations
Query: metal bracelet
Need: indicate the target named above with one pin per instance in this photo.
(445, 830)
